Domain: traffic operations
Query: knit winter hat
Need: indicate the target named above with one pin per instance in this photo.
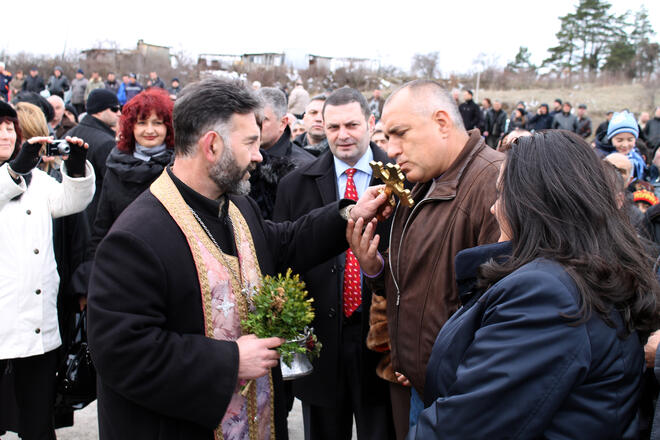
(645, 196)
(622, 122)
(101, 99)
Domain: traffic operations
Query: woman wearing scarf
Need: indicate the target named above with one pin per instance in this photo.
(144, 149)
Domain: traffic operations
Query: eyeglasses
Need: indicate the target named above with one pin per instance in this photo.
(115, 109)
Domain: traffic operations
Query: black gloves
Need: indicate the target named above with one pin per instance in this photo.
(26, 159)
(75, 164)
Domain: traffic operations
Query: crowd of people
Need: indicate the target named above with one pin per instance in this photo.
(517, 297)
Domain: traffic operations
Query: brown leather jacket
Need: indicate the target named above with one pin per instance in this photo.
(419, 274)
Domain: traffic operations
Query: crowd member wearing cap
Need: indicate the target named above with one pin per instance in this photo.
(58, 83)
(78, 87)
(470, 111)
(98, 129)
(622, 133)
(29, 201)
(601, 131)
(584, 122)
(133, 87)
(644, 199)
(34, 82)
(175, 89)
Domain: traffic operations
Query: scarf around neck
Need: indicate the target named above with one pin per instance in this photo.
(146, 153)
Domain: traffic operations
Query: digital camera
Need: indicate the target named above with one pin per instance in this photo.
(58, 148)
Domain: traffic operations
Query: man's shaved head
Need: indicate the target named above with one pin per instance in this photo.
(622, 164)
(430, 96)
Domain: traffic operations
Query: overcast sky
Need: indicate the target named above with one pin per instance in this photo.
(390, 30)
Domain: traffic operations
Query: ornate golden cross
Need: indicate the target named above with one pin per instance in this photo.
(393, 178)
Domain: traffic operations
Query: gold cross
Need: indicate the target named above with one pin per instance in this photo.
(393, 178)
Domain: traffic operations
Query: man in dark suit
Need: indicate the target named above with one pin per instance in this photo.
(344, 382)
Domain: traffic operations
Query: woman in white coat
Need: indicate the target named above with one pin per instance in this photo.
(29, 200)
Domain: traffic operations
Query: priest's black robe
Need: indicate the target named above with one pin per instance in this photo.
(160, 377)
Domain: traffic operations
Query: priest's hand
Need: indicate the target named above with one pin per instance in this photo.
(364, 244)
(255, 356)
(370, 204)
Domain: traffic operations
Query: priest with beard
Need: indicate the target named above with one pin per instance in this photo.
(172, 278)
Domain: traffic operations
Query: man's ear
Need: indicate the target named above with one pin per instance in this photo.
(371, 123)
(443, 120)
(211, 145)
(284, 122)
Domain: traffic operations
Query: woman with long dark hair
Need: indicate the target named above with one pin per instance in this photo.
(549, 341)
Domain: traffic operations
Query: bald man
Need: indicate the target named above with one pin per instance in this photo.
(623, 165)
(60, 123)
(455, 174)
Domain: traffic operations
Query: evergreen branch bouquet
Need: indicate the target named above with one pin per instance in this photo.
(281, 308)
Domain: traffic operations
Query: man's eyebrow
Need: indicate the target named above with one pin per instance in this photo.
(394, 129)
(251, 138)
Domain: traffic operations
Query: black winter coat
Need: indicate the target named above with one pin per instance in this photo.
(159, 376)
(278, 161)
(34, 84)
(509, 364)
(540, 122)
(471, 114)
(125, 179)
(495, 126)
(300, 192)
(101, 140)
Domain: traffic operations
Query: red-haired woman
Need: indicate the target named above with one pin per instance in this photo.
(145, 148)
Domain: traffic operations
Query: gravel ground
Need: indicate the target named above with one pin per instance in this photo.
(86, 428)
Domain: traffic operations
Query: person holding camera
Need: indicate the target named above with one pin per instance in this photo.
(29, 200)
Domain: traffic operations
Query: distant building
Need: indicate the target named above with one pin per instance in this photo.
(143, 58)
(269, 59)
(210, 61)
(332, 63)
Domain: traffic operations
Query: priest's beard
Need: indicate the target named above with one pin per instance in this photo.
(228, 176)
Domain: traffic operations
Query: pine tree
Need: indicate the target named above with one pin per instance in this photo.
(522, 62)
(647, 51)
(585, 36)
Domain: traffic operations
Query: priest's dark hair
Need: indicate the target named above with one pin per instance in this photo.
(561, 205)
(209, 105)
(346, 95)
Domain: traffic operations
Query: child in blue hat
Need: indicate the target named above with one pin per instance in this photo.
(622, 132)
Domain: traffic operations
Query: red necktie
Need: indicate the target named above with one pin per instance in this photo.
(352, 284)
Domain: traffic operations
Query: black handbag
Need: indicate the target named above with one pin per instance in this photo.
(76, 376)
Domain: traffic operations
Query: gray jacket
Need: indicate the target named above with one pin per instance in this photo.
(78, 87)
(565, 121)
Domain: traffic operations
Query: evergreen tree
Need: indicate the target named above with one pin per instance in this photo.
(585, 37)
(647, 52)
(522, 62)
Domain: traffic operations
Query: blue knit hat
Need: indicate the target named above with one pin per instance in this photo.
(622, 122)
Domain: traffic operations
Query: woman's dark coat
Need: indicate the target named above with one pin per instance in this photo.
(509, 364)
